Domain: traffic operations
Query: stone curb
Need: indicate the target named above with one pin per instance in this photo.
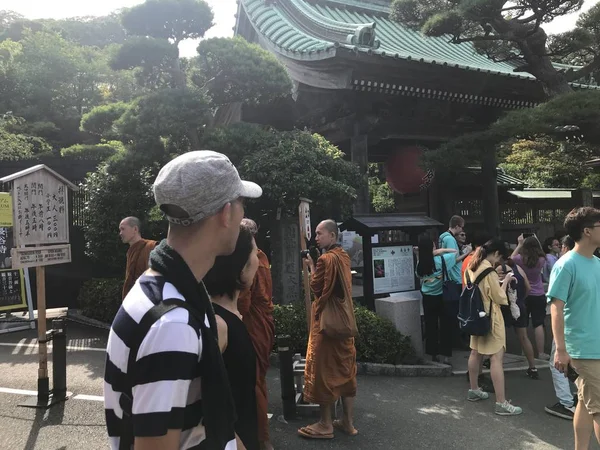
(390, 370)
(76, 316)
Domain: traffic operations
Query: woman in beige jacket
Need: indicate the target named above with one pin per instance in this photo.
(493, 294)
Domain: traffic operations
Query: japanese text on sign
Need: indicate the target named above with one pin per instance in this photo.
(6, 210)
(393, 269)
(12, 290)
(41, 256)
(41, 213)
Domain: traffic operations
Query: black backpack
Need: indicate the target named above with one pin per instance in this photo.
(471, 304)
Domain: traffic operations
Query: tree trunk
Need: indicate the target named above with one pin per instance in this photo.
(534, 49)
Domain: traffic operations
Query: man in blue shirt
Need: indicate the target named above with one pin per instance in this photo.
(574, 295)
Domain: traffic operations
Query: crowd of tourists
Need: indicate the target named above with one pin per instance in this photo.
(188, 350)
(512, 286)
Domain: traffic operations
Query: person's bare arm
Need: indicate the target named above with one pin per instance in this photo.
(525, 280)
(170, 441)
(240, 445)
(519, 246)
(222, 333)
(561, 358)
(441, 251)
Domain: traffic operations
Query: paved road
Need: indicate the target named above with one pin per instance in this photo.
(391, 413)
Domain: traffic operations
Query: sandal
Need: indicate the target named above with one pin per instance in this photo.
(339, 425)
(309, 433)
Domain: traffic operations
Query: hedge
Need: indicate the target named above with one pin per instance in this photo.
(100, 298)
(378, 340)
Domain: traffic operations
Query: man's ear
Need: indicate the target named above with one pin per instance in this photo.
(225, 215)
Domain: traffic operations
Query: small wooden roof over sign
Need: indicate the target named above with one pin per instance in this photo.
(373, 223)
(33, 169)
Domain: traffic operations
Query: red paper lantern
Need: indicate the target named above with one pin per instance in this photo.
(403, 172)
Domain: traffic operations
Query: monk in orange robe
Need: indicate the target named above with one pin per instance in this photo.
(138, 254)
(256, 306)
(330, 371)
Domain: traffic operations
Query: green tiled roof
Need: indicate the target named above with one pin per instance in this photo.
(315, 30)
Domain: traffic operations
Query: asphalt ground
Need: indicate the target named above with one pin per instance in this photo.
(391, 413)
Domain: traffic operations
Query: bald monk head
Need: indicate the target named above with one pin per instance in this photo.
(327, 234)
(129, 230)
(250, 225)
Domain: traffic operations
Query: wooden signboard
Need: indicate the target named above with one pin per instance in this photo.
(41, 256)
(40, 202)
(40, 217)
(305, 234)
(12, 290)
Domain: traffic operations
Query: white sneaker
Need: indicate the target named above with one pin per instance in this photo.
(544, 356)
(507, 409)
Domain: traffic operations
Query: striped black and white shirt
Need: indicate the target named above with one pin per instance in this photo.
(166, 392)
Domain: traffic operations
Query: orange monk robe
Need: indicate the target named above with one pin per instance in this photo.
(137, 262)
(256, 307)
(330, 371)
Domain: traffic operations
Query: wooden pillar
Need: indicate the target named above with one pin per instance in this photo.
(489, 192)
(368, 285)
(359, 153)
(286, 264)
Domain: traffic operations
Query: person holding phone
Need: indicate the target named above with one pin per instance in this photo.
(530, 257)
(574, 297)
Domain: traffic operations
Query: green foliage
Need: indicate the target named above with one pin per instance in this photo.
(177, 115)
(121, 187)
(510, 32)
(101, 120)
(378, 341)
(95, 152)
(546, 163)
(100, 298)
(92, 31)
(16, 145)
(290, 320)
(233, 70)
(175, 20)
(382, 196)
(146, 52)
(591, 181)
(299, 164)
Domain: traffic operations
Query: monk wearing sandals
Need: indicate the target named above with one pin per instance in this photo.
(330, 372)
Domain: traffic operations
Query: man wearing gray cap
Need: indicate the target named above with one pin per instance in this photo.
(165, 383)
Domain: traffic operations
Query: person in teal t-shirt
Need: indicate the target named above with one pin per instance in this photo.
(439, 322)
(448, 240)
(574, 295)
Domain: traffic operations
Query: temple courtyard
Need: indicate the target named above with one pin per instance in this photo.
(391, 413)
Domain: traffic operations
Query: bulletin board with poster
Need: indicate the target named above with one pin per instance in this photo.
(393, 269)
(12, 290)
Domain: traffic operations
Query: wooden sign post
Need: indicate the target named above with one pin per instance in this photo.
(305, 235)
(41, 236)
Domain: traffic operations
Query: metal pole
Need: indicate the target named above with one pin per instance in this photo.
(286, 374)
(59, 359)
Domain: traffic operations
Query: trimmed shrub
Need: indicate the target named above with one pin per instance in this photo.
(100, 298)
(93, 152)
(378, 340)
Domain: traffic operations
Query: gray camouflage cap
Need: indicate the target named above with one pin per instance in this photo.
(200, 183)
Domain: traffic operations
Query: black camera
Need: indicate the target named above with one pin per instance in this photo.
(305, 253)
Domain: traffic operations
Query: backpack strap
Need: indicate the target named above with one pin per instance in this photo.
(444, 269)
(152, 316)
(482, 275)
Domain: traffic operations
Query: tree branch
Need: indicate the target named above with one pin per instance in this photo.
(492, 37)
(584, 71)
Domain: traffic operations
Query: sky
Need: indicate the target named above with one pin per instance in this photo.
(224, 11)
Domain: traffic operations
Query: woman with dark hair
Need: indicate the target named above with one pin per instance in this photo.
(439, 325)
(493, 294)
(521, 288)
(552, 248)
(530, 257)
(224, 282)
